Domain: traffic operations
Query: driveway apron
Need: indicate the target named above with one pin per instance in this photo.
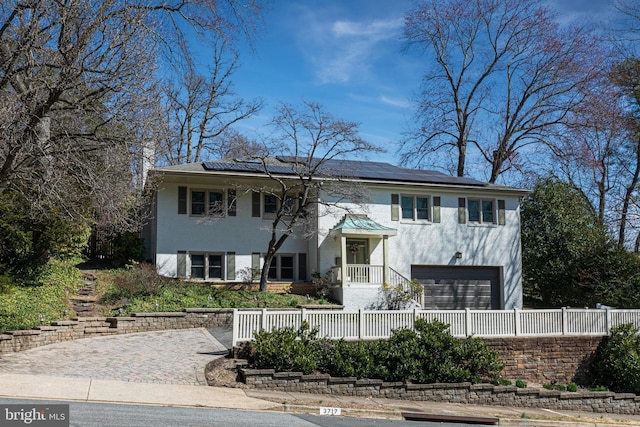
(167, 357)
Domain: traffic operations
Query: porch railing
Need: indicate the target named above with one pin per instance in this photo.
(359, 325)
(360, 273)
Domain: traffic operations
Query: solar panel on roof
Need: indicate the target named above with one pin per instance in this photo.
(347, 168)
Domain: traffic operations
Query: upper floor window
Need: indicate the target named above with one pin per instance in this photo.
(481, 211)
(207, 202)
(271, 205)
(414, 208)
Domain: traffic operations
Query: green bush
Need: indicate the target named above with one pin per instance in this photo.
(572, 387)
(287, 349)
(135, 280)
(41, 299)
(128, 247)
(427, 354)
(616, 364)
(521, 384)
(359, 359)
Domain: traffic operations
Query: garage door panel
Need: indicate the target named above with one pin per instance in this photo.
(455, 288)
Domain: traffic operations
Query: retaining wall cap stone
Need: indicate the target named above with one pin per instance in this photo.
(342, 380)
(281, 375)
(618, 396)
(89, 319)
(24, 332)
(252, 372)
(161, 314)
(208, 310)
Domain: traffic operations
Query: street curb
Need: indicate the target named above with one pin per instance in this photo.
(396, 415)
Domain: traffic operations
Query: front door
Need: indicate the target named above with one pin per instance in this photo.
(357, 260)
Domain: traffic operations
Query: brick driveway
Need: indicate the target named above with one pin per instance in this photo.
(169, 357)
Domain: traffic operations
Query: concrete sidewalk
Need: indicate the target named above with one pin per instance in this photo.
(84, 389)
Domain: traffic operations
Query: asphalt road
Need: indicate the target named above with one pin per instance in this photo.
(85, 414)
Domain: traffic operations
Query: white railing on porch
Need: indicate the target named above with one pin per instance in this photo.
(365, 273)
(359, 325)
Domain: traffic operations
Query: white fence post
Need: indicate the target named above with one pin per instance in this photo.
(263, 319)
(415, 317)
(360, 324)
(303, 315)
(516, 321)
(609, 325)
(236, 328)
(565, 321)
(468, 325)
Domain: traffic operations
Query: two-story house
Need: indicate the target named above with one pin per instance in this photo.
(459, 237)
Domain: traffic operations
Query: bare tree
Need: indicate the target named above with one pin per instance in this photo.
(505, 75)
(204, 107)
(72, 81)
(311, 142)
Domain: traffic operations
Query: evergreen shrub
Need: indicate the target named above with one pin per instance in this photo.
(426, 354)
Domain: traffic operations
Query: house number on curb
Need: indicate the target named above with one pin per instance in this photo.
(324, 410)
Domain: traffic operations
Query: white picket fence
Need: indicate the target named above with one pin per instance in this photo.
(363, 324)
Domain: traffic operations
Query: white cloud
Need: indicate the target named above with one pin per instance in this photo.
(396, 102)
(343, 50)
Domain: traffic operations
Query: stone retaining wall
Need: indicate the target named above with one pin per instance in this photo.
(545, 360)
(465, 393)
(87, 327)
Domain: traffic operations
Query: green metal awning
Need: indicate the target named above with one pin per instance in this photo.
(361, 224)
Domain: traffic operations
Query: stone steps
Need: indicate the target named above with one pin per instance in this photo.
(84, 302)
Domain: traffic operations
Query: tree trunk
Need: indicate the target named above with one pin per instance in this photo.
(628, 196)
(264, 274)
(462, 156)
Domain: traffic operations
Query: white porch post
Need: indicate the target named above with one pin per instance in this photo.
(343, 259)
(385, 259)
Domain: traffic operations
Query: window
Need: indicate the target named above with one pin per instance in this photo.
(270, 204)
(282, 268)
(207, 202)
(207, 266)
(481, 211)
(197, 266)
(414, 208)
(215, 266)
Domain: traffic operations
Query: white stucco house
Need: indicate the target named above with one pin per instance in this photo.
(459, 237)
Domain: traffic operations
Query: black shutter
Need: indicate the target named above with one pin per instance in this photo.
(302, 266)
(255, 204)
(182, 200)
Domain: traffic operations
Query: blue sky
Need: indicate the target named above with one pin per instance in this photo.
(348, 56)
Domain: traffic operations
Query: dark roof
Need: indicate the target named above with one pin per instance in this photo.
(364, 170)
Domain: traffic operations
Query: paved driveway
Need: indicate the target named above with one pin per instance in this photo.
(169, 357)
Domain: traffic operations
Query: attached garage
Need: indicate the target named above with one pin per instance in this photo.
(459, 287)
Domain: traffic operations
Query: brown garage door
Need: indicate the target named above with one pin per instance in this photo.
(455, 288)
